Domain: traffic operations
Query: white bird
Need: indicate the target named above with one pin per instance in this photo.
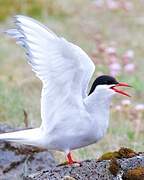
(71, 118)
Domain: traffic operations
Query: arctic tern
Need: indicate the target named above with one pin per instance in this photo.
(71, 117)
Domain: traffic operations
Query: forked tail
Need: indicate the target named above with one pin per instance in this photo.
(29, 137)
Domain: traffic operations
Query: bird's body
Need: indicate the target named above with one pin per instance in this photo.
(79, 127)
(70, 117)
(76, 126)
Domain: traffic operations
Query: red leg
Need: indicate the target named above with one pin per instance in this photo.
(70, 159)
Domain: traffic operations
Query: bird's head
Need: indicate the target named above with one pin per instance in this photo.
(108, 85)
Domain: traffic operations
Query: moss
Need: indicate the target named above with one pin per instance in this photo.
(121, 153)
(114, 166)
(134, 174)
(126, 152)
(109, 155)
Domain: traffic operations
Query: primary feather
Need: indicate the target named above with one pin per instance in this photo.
(64, 68)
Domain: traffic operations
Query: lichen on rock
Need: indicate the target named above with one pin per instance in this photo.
(40, 165)
(134, 174)
(114, 166)
(121, 153)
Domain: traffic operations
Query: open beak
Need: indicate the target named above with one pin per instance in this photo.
(120, 91)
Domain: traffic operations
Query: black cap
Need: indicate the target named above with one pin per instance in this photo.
(103, 80)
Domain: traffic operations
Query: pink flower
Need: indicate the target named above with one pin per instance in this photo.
(111, 50)
(126, 102)
(139, 107)
(128, 6)
(115, 66)
(129, 54)
(129, 68)
(113, 5)
(115, 69)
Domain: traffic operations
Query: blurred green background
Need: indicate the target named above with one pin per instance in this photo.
(111, 32)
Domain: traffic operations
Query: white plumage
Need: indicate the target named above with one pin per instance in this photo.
(70, 118)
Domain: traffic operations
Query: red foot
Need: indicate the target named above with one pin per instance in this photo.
(70, 160)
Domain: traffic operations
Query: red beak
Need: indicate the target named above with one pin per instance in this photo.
(120, 91)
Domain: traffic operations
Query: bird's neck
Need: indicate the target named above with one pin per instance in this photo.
(97, 102)
(98, 107)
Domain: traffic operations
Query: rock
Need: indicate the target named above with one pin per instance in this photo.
(17, 160)
(114, 169)
(30, 163)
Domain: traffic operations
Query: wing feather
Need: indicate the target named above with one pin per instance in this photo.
(63, 67)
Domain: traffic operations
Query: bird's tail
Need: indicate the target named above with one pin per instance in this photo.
(29, 136)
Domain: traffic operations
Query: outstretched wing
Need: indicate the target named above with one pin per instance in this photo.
(63, 67)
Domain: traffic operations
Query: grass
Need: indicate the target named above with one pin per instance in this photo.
(81, 23)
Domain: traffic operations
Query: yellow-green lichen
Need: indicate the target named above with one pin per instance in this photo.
(121, 153)
(109, 155)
